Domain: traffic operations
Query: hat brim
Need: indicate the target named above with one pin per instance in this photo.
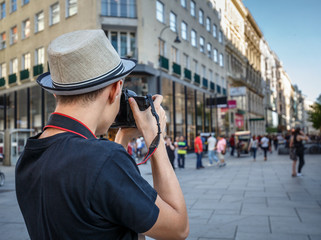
(45, 81)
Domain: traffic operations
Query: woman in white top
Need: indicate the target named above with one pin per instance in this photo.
(265, 146)
(253, 146)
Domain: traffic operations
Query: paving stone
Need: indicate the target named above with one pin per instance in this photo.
(264, 236)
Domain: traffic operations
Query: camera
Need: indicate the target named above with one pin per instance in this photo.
(125, 116)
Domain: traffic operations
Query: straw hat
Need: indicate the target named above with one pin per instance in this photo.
(81, 62)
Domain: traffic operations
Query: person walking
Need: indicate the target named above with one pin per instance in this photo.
(221, 150)
(253, 146)
(293, 156)
(298, 139)
(170, 148)
(198, 148)
(232, 144)
(71, 184)
(181, 152)
(265, 146)
(211, 141)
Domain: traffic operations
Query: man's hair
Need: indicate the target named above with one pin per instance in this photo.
(80, 98)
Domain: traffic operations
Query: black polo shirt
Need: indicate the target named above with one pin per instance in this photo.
(70, 187)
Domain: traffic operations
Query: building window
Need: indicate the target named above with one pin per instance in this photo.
(186, 61)
(172, 21)
(183, 3)
(210, 75)
(2, 10)
(209, 50)
(3, 41)
(175, 55)
(184, 30)
(217, 78)
(13, 66)
(160, 11)
(24, 2)
(215, 55)
(13, 35)
(214, 31)
(40, 56)
(26, 61)
(71, 7)
(202, 44)
(208, 24)
(221, 60)
(193, 13)
(162, 48)
(39, 22)
(195, 66)
(204, 71)
(13, 5)
(201, 16)
(193, 38)
(120, 8)
(220, 36)
(3, 70)
(25, 28)
(54, 14)
(123, 42)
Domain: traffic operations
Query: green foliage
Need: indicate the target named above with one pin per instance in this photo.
(315, 114)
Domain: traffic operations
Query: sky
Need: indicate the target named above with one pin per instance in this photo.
(292, 29)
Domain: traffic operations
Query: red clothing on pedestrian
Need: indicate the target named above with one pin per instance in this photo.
(198, 142)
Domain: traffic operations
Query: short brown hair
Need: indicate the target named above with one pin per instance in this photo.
(80, 98)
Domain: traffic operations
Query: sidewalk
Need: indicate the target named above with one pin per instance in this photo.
(244, 200)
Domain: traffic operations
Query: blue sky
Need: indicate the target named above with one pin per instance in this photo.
(292, 29)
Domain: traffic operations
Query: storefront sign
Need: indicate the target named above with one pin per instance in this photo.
(237, 91)
(239, 121)
(231, 104)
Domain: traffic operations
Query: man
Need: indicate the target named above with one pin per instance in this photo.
(181, 152)
(198, 148)
(211, 141)
(265, 144)
(71, 185)
(221, 150)
(232, 144)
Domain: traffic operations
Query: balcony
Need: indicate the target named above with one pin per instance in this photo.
(205, 83)
(2, 82)
(12, 78)
(197, 79)
(187, 74)
(218, 89)
(163, 62)
(24, 74)
(176, 69)
(38, 69)
(212, 86)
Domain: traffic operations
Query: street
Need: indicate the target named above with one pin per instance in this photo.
(243, 200)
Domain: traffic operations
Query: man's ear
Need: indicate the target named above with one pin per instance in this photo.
(115, 91)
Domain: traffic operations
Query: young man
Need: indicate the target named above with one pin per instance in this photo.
(211, 141)
(198, 148)
(71, 185)
(181, 152)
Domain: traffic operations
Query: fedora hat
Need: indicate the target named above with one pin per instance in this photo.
(81, 62)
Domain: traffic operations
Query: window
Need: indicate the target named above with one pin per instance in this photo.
(221, 60)
(24, 2)
(215, 55)
(217, 78)
(186, 60)
(162, 47)
(40, 56)
(175, 55)
(195, 66)
(2, 10)
(160, 11)
(54, 14)
(3, 70)
(209, 50)
(25, 63)
(13, 5)
(202, 44)
(183, 3)
(71, 7)
(13, 66)
(3, 41)
(39, 22)
(121, 8)
(13, 35)
(123, 42)
(210, 75)
(193, 38)
(214, 31)
(220, 36)
(193, 13)
(223, 82)
(184, 30)
(25, 29)
(172, 21)
(208, 24)
(201, 16)
(204, 71)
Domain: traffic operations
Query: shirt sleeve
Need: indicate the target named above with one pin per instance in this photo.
(122, 196)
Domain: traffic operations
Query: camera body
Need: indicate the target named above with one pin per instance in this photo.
(125, 116)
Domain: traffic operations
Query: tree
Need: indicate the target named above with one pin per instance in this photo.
(315, 114)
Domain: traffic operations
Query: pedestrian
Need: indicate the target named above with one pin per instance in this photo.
(232, 144)
(139, 147)
(265, 146)
(211, 141)
(176, 154)
(198, 148)
(72, 185)
(298, 139)
(253, 146)
(170, 150)
(293, 156)
(275, 143)
(221, 150)
(182, 150)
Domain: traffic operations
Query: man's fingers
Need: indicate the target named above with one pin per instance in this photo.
(157, 99)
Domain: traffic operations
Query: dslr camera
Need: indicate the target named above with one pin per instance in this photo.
(125, 118)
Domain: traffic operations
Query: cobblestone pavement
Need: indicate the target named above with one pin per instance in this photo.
(243, 200)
